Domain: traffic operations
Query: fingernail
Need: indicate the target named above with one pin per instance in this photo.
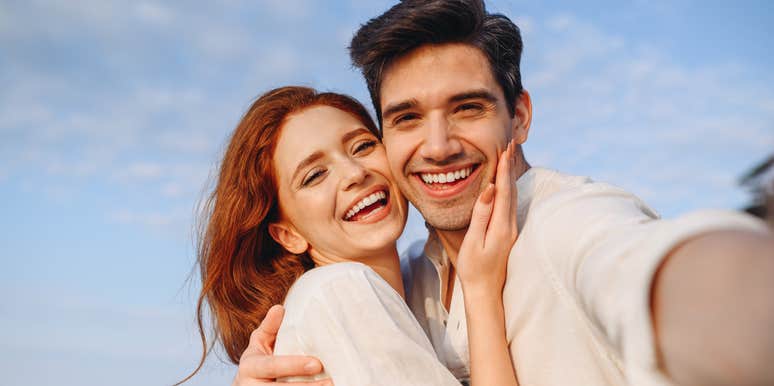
(312, 366)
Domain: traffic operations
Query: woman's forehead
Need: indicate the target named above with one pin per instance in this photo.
(317, 129)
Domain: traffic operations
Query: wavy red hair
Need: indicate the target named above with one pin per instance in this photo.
(243, 270)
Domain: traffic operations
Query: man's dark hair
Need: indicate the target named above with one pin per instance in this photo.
(414, 23)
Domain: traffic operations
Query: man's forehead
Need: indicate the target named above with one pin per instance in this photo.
(435, 71)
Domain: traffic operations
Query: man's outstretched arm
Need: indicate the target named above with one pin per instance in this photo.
(713, 310)
(258, 365)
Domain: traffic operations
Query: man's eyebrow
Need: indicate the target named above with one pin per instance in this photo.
(398, 107)
(475, 94)
(306, 162)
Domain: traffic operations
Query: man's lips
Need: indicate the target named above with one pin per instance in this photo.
(446, 177)
(447, 182)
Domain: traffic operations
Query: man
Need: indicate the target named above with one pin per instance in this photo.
(599, 291)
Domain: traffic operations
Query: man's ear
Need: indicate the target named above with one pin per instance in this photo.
(288, 237)
(522, 118)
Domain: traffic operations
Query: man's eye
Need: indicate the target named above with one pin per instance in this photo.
(365, 145)
(315, 175)
(473, 107)
(405, 118)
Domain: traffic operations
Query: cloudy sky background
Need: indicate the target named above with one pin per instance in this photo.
(114, 113)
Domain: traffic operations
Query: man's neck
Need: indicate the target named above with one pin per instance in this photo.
(451, 242)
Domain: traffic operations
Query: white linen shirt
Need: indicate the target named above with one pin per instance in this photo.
(360, 328)
(577, 293)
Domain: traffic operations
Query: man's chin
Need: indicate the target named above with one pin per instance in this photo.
(448, 222)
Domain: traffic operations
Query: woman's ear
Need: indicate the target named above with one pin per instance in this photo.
(287, 236)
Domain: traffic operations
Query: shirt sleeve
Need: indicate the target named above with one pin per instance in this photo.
(363, 331)
(601, 247)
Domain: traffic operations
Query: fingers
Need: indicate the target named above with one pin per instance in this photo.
(503, 208)
(324, 382)
(266, 367)
(479, 219)
(255, 382)
(262, 338)
(514, 192)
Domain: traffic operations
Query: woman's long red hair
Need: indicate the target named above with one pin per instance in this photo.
(243, 270)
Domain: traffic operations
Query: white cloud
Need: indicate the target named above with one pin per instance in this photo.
(631, 114)
(116, 339)
(175, 222)
(142, 170)
(292, 11)
(154, 13)
(172, 189)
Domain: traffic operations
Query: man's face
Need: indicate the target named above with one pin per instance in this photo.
(445, 122)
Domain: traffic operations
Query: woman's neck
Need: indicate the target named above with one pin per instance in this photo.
(386, 264)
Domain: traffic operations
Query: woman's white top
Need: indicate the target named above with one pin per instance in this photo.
(350, 318)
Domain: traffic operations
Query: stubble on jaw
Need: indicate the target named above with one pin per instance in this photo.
(452, 214)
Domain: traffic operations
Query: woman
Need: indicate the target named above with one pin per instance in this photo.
(305, 199)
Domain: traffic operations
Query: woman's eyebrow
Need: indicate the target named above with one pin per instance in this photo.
(354, 133)
(306, 162)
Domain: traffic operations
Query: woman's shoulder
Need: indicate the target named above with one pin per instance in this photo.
(333, 272)
(332, 281)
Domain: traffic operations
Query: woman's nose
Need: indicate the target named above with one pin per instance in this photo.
(354, 174)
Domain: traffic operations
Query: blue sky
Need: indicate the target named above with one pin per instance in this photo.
(113, 115)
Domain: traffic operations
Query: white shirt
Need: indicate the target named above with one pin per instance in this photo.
(360, 328)
(578, 286)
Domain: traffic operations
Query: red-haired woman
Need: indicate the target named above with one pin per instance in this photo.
(305, 212)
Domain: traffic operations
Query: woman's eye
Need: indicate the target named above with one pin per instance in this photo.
(365, 145)
(313, 176)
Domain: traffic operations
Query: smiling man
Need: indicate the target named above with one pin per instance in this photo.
(600, 291)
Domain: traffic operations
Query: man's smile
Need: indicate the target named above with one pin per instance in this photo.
(447, 183)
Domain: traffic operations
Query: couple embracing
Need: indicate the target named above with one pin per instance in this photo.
(528, 276)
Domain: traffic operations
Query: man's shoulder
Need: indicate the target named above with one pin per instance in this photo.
(545, 182)
(554, 186)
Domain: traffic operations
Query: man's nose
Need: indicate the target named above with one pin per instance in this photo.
(439, 144)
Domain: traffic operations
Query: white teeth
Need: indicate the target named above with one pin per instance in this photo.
(435, 178)
(364, 202)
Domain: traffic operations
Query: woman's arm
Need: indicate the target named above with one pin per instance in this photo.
(481, 267)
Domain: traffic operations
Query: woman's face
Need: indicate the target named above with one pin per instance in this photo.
(336, 193)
